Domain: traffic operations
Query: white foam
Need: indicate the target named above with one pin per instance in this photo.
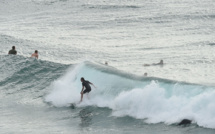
(153, 101)
(64, 90)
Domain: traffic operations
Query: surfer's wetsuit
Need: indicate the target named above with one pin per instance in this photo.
(86, 84)
(12, 51)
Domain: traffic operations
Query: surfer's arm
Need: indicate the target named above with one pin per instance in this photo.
(82, 89)
(92, 84)
(146, 64)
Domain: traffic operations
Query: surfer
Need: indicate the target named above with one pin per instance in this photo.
(35, 54)
(159, 63)
(13, 50)
(153, 64)
(85, 84)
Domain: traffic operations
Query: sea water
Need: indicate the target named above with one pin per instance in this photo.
(75, 38)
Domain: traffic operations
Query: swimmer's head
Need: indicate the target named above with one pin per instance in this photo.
(161, 61)
(36, 51)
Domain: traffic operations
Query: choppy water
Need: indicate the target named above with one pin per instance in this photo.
(75, 38)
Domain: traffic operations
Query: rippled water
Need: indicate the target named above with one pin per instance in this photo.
(126, 34)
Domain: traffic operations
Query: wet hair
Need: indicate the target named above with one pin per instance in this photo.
(36, 51)
(13, 47)
(161, 61)
(82, 79)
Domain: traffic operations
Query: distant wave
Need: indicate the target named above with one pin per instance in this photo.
(110, 6)
(211, 44)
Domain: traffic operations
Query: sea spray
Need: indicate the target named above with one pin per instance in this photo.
(64, 90)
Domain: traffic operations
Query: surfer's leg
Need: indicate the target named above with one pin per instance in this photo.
(82, 96)
(88, 91)
(88, 96)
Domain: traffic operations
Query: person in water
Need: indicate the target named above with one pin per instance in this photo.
(154, 64)
(85, 84)
(13, 50)
(159, 63)
(35, 54)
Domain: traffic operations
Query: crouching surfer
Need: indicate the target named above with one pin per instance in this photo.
(85, 84)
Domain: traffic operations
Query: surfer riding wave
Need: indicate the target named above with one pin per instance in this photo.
(85, 84)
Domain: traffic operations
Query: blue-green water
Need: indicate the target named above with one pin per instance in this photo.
(76, 38)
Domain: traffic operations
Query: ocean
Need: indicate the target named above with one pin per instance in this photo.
(75, 38)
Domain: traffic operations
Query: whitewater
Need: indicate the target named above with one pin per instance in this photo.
(75, 39)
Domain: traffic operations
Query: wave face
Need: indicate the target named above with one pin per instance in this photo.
(153, 99)
(27, 77)
(33, 82)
